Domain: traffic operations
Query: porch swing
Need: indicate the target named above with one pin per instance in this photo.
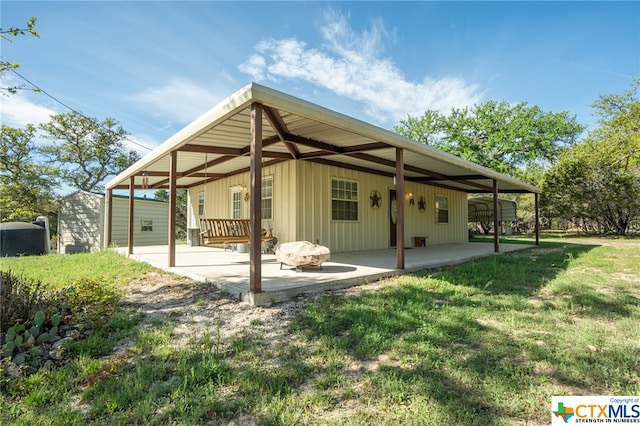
(225, 231)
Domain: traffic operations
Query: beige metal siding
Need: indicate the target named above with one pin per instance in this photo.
(142, 210)
(79, 224)
(372, 229)
(217, 204)
(302, 208)
(441, 233)
(369, 232)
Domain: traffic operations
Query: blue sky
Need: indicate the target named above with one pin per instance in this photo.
(156, 66)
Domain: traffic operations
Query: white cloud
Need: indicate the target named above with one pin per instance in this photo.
(142, 144)
(350, 65)
(18, 111)
(179, 99)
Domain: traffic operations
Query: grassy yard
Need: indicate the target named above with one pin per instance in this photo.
(487, 342)
(58, 271)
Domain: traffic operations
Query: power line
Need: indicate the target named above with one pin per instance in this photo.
(39, 89)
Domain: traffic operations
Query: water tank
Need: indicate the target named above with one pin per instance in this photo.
(22, 239)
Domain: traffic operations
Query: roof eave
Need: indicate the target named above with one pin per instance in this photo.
(254, 92)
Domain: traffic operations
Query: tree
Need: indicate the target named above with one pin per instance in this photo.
(26, 187)
(181, 210)
(596, 184)
(504, 137)
(86, 150)
(8, 35)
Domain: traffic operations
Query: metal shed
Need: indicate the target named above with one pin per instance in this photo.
(481, 209)
(81, 222)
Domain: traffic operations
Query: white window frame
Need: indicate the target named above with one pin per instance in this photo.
(236, 203)
(345, 191)
(146, 225)
(267, 197)
(439, 199)
(201, 201)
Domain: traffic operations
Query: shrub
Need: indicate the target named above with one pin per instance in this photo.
(91, 300)
(84, 300)
(20, 299)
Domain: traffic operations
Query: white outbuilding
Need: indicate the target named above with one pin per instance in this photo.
(81, 222)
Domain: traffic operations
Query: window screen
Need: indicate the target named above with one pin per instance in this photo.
(442, 209)
(344, 200)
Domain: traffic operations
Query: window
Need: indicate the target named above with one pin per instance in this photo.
(236, 204)
(267, 198)
(201, 203)
(146, 225)
(344, 200)
(442, 209)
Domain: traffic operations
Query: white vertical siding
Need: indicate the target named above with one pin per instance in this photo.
(218, 199)
(143, 210)
(302, 208)
(370, 231)
(421, 224)
(79, 222)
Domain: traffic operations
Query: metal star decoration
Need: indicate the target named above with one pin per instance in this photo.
(376, 199)
(422, 204)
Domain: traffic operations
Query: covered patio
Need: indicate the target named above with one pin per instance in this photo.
(229, 270)
(258, 127)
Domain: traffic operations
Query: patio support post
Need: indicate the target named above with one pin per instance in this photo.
(109, 222)
(255, 204)
(496, 222)
(173, 160)
(132, 193)
(536, 225)
(400, 200)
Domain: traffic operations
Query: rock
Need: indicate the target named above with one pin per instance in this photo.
(73, 333)
(60, 343)
(12, 370)
(56, 354)
(62, 329)
(49, 365)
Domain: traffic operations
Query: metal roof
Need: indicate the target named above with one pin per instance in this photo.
(216, 145)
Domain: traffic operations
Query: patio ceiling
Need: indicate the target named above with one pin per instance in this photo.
(216, 146)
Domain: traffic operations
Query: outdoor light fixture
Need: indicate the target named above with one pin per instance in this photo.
(145, 180)
(409, 196)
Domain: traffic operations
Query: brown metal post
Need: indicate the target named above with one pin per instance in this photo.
(537, 224)
(109, 219)
(132, 193)
(255, 203)
(496, 222)
(400, 200)
(173, 160)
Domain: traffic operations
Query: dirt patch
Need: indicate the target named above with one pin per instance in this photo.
(195, 309)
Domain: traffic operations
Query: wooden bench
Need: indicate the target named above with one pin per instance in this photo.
(229, 231)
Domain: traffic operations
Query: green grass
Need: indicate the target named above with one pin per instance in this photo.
(483, 343)
(60, 270)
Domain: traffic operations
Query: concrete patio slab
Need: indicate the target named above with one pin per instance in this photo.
(229, 270)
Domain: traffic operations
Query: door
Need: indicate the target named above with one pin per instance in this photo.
(393, 216)
(236, 204)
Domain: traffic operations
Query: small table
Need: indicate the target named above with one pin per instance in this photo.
(419, 241)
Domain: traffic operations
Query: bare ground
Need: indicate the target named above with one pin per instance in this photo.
(196, 308)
